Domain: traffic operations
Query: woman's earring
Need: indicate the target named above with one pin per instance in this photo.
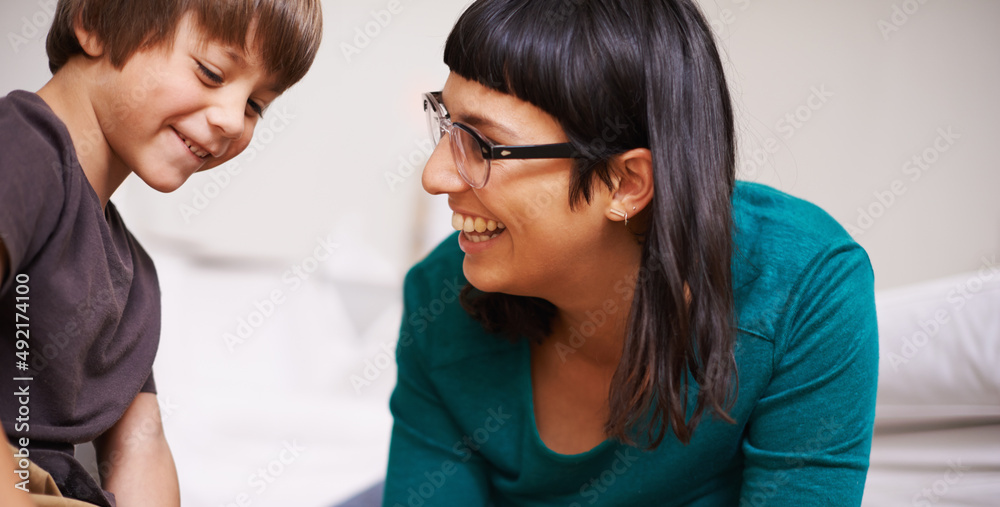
(623, 214)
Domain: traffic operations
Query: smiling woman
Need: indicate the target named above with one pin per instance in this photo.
(658, 333)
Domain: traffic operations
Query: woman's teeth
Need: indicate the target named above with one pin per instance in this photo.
(477, 229)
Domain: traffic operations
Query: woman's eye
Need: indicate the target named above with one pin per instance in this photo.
(211, 76)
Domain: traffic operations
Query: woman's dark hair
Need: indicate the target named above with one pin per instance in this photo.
(618, 75)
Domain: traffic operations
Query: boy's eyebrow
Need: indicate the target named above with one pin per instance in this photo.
(236, 58)
(242, 63)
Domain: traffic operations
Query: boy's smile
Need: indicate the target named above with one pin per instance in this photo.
(193, 147)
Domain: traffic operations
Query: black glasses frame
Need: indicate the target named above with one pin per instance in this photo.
(492, 151)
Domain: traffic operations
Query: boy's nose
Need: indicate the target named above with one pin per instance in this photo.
(440, 173)
(229, 115)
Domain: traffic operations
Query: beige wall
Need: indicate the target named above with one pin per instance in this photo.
(868, 99)
(869, 88)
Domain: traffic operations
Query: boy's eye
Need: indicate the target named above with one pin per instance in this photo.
(213, 77)
(256, 108)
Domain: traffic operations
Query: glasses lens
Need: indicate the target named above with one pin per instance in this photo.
(469, 157)
(434, 126)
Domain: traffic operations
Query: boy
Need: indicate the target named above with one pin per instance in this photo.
(160, 89)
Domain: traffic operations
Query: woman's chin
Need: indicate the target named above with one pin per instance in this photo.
(481, 280)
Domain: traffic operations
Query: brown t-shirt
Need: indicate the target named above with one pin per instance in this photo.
(78, 345)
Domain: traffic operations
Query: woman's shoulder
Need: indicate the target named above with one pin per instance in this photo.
(760, 209)
(784, 247)
(773, 226)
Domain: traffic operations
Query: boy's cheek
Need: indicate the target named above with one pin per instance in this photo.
(238, 146)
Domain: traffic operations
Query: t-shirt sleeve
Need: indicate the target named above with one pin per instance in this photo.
(31, 195)
(428, 463)
(809, 436)
(149, 386)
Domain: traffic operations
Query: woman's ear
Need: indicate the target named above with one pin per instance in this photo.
(633, 172)
(89, 41)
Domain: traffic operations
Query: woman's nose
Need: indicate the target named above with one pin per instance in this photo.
(440, 173)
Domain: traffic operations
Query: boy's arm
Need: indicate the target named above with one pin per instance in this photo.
(135, 460)
(10, 495)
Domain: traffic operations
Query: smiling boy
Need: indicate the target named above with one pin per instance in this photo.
(160, 89)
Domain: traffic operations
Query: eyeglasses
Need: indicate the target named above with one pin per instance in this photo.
(473, 154)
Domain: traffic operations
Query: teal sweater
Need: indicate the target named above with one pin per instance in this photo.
(806, 353)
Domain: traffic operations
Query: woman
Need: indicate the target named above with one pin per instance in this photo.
(637, 328)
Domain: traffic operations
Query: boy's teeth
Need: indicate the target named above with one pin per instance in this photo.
(196, 151)
(460, 222)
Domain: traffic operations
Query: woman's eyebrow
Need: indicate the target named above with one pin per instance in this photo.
(482, 123)
(478, 121)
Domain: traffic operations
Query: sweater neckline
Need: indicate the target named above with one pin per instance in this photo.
(534, 436)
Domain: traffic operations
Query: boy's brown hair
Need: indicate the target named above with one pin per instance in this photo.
(287, 33)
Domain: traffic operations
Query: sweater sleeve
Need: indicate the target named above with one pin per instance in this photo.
(809, 436)
(429, 463)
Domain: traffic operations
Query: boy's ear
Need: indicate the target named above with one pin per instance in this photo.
(89, 41)
(633, 173)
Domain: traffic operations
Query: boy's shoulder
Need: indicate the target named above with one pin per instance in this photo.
(34, 143)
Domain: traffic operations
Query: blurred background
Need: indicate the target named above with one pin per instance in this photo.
(281, 271)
